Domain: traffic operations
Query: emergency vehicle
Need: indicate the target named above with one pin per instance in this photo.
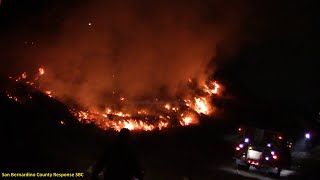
(262, 149)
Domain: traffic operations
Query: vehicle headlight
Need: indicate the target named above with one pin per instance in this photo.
(308, 135)
(269, 144)
(246, 140)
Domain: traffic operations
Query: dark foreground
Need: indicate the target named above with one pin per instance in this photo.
(34, 140)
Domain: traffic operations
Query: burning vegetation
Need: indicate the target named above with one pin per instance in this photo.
(140, 65)
(147, 115)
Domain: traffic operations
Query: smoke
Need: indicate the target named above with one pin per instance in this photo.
(135, 49)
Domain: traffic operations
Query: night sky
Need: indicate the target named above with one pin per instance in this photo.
(269, 57)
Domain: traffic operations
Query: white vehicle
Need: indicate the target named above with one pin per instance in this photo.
(262, 149)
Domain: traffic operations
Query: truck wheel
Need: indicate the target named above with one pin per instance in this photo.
(278, 172)
(243, 167)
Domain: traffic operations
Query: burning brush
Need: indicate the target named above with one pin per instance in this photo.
(157, 114)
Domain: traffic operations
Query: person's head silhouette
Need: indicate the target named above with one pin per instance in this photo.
(124, 135)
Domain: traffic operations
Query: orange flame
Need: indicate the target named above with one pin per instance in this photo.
(144, 119)
(201, 105)
(167, 106)
(187, 120)
(24, 75)
(41, 71)
(213, 90)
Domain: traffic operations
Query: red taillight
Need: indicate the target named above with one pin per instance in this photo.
(253, 162)
(237, 148)
(275, 157)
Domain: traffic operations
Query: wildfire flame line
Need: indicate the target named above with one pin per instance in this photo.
(142, 119)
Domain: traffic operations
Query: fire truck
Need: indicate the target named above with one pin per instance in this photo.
(262, 149)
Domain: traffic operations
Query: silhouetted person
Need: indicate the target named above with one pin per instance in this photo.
(119, 161)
